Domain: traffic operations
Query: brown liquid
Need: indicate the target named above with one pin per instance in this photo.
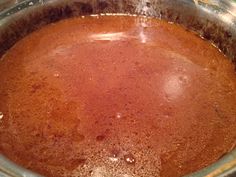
(116, 96)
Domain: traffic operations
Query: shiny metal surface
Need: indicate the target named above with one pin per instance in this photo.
(214, 20)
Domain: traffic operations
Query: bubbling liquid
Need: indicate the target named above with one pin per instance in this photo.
(119, 96)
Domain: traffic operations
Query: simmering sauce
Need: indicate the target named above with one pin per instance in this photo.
(116, 96)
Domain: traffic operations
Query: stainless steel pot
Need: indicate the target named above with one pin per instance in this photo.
(214, 20)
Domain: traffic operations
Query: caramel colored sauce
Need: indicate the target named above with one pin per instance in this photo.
(116, 96)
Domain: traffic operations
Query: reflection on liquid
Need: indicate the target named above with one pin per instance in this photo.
(140, 34)
(103, 172)
(143, 37)
(173, 86)
(99, 172)
(108, 36)
(113, 159)
(1, 116)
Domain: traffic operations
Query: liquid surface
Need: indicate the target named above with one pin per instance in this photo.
(116, 96)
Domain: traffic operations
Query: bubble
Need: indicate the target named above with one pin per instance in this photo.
(56, 74)
(129, 159)
(167, 116)
(100, 137)
(183, 79)
(113, 159)
(114, 155)
(118, 115)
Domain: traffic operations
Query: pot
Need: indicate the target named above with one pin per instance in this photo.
(213, 20)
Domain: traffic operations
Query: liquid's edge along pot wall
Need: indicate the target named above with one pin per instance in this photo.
(206, 23)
